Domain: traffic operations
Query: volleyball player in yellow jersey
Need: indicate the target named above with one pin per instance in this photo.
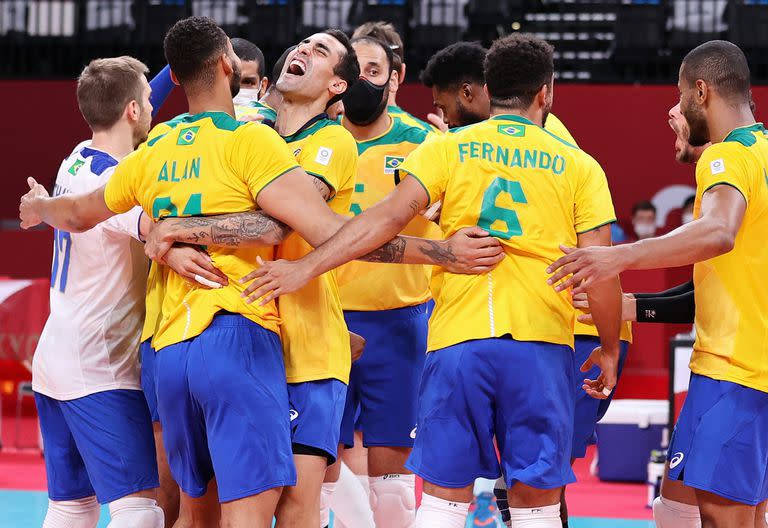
(718, 446)
(221, 381)
(501, 361)
(387, 305)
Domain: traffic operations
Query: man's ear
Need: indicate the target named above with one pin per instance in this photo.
(133, 110)
(263, 86)
(466, 92)
(226, 64)
(702, 91)
(174, 79)
(338, 86)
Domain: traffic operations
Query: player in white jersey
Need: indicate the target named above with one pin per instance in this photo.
(97, 431)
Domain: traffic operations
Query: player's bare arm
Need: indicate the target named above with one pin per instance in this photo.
(605, 299)
(73, 213)
(357, 237)
(458, 254)
(710, 235)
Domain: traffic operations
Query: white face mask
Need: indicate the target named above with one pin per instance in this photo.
(687, 217)
(246, 95)
(644, 230)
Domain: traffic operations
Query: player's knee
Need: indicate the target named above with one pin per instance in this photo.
(539, 517)
(80, 513)
(393, 500)
(135, 512)
(671, 514)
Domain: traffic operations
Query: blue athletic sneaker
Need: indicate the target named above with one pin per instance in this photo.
(484, 512)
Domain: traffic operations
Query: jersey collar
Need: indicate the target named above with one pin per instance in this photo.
(307, 128)
(513, 117)
(755, 127)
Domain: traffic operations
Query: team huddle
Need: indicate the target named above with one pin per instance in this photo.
(326, 269)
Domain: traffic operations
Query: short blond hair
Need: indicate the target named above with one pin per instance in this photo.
(106, 86)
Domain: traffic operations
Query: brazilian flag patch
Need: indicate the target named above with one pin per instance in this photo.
(76, 167)
(187, 135)
(512, 130)
(392, 163)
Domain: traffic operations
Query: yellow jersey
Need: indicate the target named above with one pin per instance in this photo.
(153, 300)
(557, 127)
(395, 111)
(369, 286)
(531, 190)
(731, 302)
(257, 108)
(206, 164)
(314, 334)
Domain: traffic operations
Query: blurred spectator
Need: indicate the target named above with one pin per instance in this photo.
(644, 219)
(253, 76)
(687, 210)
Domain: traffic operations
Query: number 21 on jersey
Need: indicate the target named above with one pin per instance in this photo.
(492, 214)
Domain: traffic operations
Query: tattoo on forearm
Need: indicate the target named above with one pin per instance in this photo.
(437, 253)
(321, 187)
(232, 230)
(414, 205)
(391, 252)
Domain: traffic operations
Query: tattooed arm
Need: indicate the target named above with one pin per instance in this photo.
(360, 236)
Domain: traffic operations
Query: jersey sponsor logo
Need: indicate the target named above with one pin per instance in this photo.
(76, 167)
(392, 163)
(324, 156)
(296, 152)
(187, 135)
(675, 460)
(717, 166)
(293, 413)
(413, 433)
(511, 130)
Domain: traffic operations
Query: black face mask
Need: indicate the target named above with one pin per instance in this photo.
(365, 102)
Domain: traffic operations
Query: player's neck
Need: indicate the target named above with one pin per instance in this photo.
(535, 116)
(724, 119)
(117, 141)
(294, 114)
(216, 99)
(366, 132)
(392, 99)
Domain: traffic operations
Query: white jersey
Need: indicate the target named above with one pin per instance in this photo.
(98, 278)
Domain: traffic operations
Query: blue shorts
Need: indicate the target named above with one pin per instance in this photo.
(223, 403)
(147, 355)
(316, 411)
(720, 442)
(384, 382)
(519, 392)
(589, 410)
(99, 444)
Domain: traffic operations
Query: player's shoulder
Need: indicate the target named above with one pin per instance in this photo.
(330, 131)
(403, 131)
(727, 155)
(556, 127)
(410, 119)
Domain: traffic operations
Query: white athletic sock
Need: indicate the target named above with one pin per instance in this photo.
(350, 502)
(393, 500)
(672, 514)
(80, 513)
(539, 517)
(325, 503)
(136, 512)
(440, 513)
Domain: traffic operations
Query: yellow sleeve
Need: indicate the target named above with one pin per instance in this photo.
(120, 192)
(593, 206)
(429, 165)
(330, 155)
(556, 127)
(722, 163)
(259, 155)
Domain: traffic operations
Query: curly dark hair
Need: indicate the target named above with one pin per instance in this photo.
(516, 67)
(458, 63)
(192, 47)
